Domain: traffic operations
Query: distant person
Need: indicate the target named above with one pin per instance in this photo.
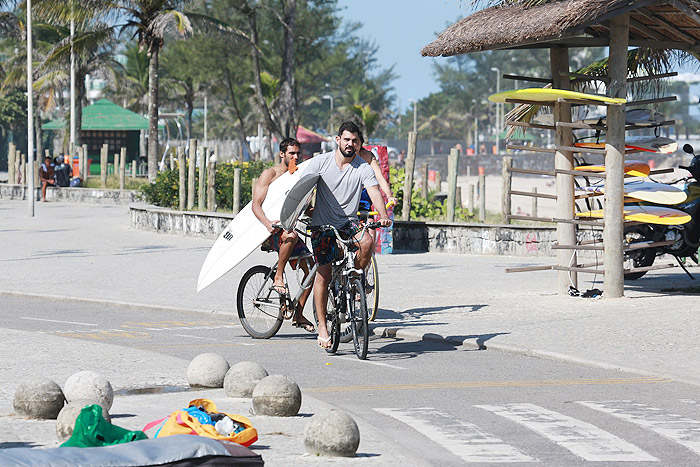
(287, 244)
(46, 176)
(62, 172)
(402, 157)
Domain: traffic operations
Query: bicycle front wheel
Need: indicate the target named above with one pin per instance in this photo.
(259, 307)
(358, 318)
(372, 288)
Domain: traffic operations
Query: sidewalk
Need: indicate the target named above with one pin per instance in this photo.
(467, 299)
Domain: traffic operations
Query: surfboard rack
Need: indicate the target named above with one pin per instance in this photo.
(596, 127)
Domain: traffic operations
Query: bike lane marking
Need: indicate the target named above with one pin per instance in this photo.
(58, 321)
(387, 365)
(461, 438)
(682, 430)
(581, 438)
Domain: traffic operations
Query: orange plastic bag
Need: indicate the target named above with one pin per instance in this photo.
(182, 422)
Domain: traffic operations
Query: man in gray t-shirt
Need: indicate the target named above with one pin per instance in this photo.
(343, 175)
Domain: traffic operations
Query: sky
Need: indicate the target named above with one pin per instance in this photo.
(401, 28)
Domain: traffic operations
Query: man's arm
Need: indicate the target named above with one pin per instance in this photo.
(376, 196)
(259, 194)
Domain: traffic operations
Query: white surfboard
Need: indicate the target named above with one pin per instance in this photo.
(245, 232)
(297, 200)
(651, 192)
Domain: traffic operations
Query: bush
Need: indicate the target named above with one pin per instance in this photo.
(421, 209)
(165, 190)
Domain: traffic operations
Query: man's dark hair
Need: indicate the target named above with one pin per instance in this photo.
(286, 142)
(349, 127)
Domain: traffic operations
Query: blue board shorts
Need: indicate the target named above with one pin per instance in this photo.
(275, 240)
(324, 244)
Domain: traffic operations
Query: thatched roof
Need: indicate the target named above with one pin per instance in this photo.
(667, 24)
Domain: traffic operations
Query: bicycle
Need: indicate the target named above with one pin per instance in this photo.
(346, 296)
(261, 308)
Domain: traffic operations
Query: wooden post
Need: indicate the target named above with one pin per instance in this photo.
(438, 181)
(458, 197)
(172, 159)
(22, 171)
(11, 177)
(613, 231)
(564, 160)
(191, 174)
(122, 168)
(534, 203)
(408, 181)
(471, 204)
(203, 162)
(116, 163)
(211, 185)
(47, 153)
(103, 165)
(452, 166)
(37, 180)
(482, 198)
(236, 190)
(134, 165)
(506, 187)
(424, 181)
(253, 182)
(182, 191)
(85, 161)
(18, 163)
(81, 163)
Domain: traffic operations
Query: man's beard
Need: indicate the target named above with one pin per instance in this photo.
(351, 154)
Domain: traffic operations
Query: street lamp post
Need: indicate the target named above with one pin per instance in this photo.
(415, 114)
(498, 110)
(31, 192)
(330, 117)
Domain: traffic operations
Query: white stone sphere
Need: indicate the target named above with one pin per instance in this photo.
(276, 395)
(207, 370)
(332, 432)
(242, 377)
(39, 398)
(68, 415)
(88, 385)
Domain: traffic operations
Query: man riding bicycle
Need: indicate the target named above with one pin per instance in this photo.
(343, 174)
(287, 244)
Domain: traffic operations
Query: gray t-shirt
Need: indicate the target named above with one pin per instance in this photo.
(338, 192)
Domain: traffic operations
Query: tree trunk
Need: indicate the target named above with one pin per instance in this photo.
(154, 47)
(79, 98)
(239, 114)
(259, 98)
(38, 135)
(286, 97)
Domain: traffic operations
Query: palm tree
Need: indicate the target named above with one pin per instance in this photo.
(129, 83)
(150, 20)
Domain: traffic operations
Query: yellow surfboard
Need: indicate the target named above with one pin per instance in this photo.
(647, 214)
(632, 167)
(545, 95)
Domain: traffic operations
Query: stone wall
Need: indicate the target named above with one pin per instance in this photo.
(195, 224)
(480, 239)
(75, 195)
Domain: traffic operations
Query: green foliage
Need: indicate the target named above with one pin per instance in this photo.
(165, 190)
(421, 209)
(13, 110)
(130, 183)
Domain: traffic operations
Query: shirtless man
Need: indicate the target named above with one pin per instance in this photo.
(343, 175)
(287, 244)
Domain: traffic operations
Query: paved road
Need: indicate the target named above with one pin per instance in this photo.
(437, 404)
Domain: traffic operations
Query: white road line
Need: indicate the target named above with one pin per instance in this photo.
(462, 439)
(581, 438)
(58, 321)
(388, 365)
(682, 430)
(196, 337)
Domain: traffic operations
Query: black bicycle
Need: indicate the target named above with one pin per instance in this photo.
(347, 301)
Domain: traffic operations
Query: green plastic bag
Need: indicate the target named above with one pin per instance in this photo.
(92, 430)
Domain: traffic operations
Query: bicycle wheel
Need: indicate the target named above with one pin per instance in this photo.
(358, 318)
(259, 307)
(372, 288)
(332, 318)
